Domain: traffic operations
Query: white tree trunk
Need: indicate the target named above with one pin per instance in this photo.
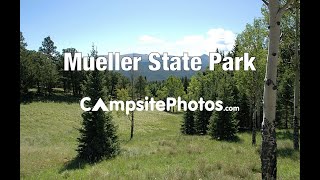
(269, 144)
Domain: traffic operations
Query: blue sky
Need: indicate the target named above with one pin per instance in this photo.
(137, 26)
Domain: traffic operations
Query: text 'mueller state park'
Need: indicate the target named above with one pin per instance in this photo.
(113, 61)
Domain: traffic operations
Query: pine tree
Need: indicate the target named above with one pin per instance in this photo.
(48, 47)
(201, 118)
(222, 124)
(201, 121)
(140, 86)
(98, 138)
(185, 81)
(187, 126)
(242, 115)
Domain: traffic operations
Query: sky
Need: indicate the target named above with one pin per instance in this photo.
(137, 26)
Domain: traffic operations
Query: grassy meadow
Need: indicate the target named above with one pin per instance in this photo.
(48, 139)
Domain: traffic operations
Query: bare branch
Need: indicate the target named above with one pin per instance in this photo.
(265, 2)
(285, 7)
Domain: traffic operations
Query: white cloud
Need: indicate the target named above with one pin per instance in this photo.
(195, 45)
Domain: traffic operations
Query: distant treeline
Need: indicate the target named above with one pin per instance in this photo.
(43, 70)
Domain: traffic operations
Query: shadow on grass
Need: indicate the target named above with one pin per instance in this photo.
(235, 139)
(244, 130)
(285, 152)
(288, 153)
(175, 112)
(126, 140)
(285, 135)
(55, 97)
(74, 164)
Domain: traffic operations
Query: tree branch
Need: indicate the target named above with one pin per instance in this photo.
(265, 2)
(285, 7)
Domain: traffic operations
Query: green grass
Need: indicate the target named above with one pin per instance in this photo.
(48, 139)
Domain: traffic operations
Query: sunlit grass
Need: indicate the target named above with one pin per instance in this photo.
(158, 150)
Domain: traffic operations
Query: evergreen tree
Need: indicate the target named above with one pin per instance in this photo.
(201, 118)
(50, 75)
(44, 71)
(98, 138)
(201, 121)
(23, 44)
(185, 81)
(71, 80)
(27, 67)
(47, 65)
(140, 86)
(223, 125)
(285, 99)
(123, 82)
(48, 48)
(113, 78)
(187, 126)
(242, 115)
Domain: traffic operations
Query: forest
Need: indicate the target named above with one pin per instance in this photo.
(98, 137)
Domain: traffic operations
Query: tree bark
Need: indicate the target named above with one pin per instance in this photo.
(269, 143)
(258, 112)
(251, 110)
(254, 123)
(286, 109)
(133, 98)
(132, 125)
(38, 87)
(64, 86)
(296, 115)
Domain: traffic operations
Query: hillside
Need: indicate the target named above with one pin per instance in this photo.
(161, 74)
(48, 139)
